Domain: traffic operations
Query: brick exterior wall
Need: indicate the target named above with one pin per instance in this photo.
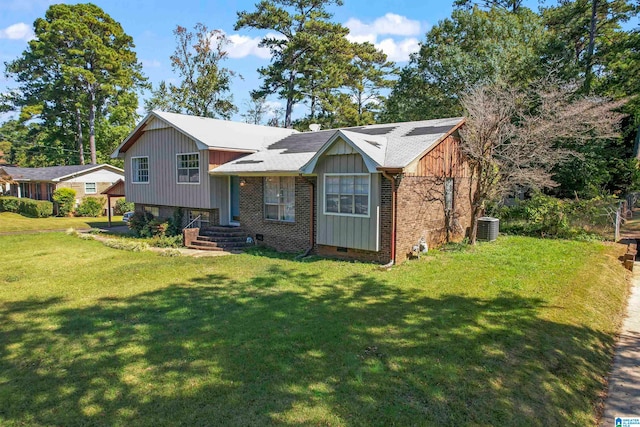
(421, 213)
(79, 188)
(281, 236)
(166, 212)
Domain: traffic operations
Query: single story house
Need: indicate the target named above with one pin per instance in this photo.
(374, 193)
(40, 183)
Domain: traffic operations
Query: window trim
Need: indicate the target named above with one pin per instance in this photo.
(264, 200)
(451, 197)
(149, 208)
(95, 186)
(133, 181)
(324, 196)
(178, 168)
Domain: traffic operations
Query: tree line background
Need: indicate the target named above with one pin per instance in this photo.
(79, 80)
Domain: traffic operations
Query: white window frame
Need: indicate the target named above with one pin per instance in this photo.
(95, 188)
(280, 205)
(324, 196)
(178, 168)
(133, 178)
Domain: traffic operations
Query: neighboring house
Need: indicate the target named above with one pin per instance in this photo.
(40, 183)
(5, 182)
(371, 192)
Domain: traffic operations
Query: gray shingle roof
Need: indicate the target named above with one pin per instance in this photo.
(51, 173)
(213, 133)
(391, 145)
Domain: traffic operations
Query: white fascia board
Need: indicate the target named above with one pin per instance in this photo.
(86, 171)
(310, 166)
(116, 154)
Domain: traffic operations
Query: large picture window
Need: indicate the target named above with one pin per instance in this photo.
(188, 168)
(347, 194)
(140, 169)
(279, 198)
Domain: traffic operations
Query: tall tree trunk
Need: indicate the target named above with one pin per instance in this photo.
(313, 107)
(92, 126)
(588, 75)
(79, 138)
(289, 110)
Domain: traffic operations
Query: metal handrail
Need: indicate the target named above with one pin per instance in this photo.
(192, 222)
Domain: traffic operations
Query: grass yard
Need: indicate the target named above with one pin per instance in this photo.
(13, 222)
(517, 332)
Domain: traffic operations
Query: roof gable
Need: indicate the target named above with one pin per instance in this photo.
(207, 132)
(371, 148)
(54, 173)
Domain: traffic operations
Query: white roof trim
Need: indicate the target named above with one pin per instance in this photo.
(310, 166)
(86, 171)
(143, 122)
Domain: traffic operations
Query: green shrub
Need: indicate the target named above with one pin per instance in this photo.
(122, 206)
(91, 206)
(154, 227)
(547, 216)
(35, 208)
(143, 224)
(27, 207)
(175, 223)
(167, 241)
(65, 198)
(9, 204)
(138, 222)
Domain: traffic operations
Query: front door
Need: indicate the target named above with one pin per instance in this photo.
(234, 199)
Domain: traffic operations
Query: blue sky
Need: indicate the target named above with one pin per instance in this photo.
(394, 26)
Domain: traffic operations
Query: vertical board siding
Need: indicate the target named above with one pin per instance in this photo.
(340, 147)
(348, 231)
(446, 159)
(161, 146)
(217, 157)
(157, 124)
(220, 185)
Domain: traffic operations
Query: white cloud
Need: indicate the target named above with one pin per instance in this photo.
(389, 24)
(399, 51)
(402, 29)
(19, 31)
(151, 63)
(241, 46)
(271, 107)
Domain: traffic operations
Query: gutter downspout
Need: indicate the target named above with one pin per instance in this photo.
(394, 191)
(312, 240)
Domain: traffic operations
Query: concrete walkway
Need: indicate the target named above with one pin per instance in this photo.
(623, 399)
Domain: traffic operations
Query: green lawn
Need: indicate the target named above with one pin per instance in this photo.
(517, 332)
(11, 222)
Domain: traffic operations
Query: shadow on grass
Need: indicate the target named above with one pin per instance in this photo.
(216, 351)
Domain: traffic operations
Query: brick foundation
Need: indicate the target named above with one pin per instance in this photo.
(166, 212)
(279, 235)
